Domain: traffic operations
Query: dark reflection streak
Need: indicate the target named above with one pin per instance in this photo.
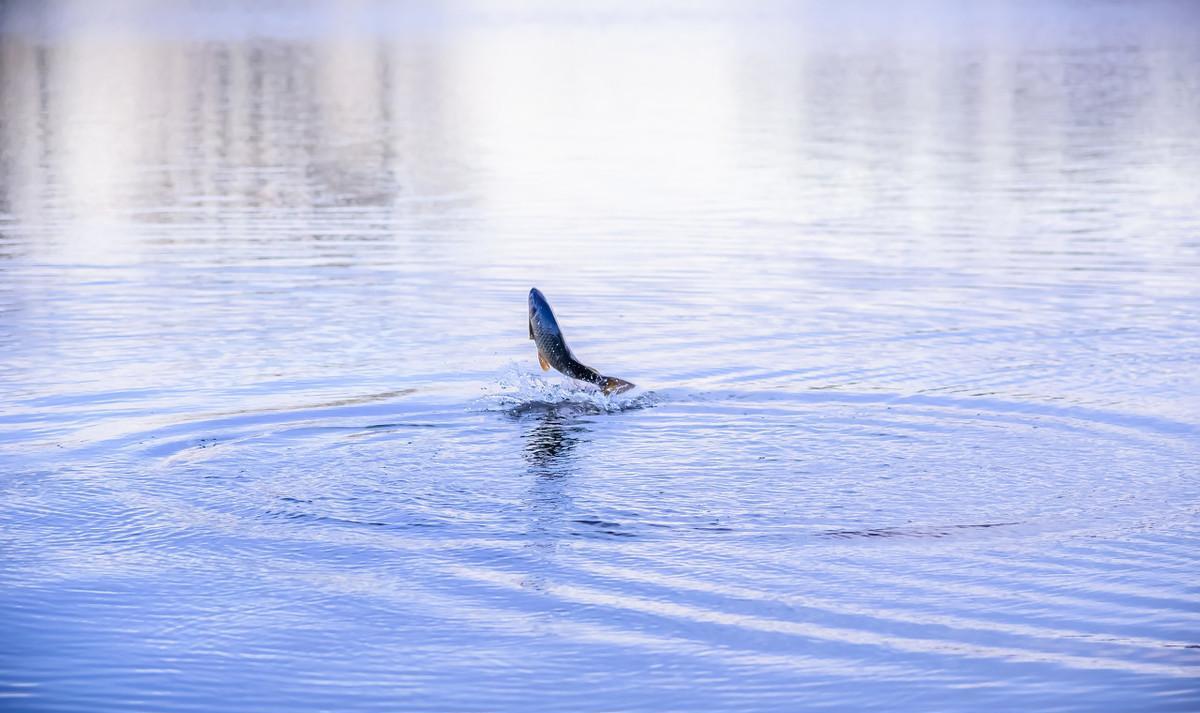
(6, 168)
(550, 452)
(197, 145)
(256, 119)
(387, 120)
(550, 445)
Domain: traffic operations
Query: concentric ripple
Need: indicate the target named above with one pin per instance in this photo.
(813, 539)
(911, 539)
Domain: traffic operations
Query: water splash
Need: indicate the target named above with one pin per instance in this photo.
(518, 392)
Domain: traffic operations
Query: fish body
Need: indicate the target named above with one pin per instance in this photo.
(553, 351)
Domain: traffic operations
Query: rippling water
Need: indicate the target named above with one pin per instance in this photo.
(910, 292)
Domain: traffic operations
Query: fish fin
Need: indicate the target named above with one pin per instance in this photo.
(612, 385)
(542, 360)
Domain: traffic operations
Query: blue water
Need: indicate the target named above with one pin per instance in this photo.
(910, 292)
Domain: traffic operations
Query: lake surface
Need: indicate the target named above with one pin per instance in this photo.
(910, 291)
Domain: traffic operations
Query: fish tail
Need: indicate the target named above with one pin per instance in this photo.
(612, 385)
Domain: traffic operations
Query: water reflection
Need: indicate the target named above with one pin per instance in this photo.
(357, 109)
(551, 438)
(98, 128)
(550, 452)
(551, 442)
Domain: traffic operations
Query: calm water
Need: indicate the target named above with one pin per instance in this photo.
(911, 294)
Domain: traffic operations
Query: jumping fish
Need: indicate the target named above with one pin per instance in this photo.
(553, 351)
